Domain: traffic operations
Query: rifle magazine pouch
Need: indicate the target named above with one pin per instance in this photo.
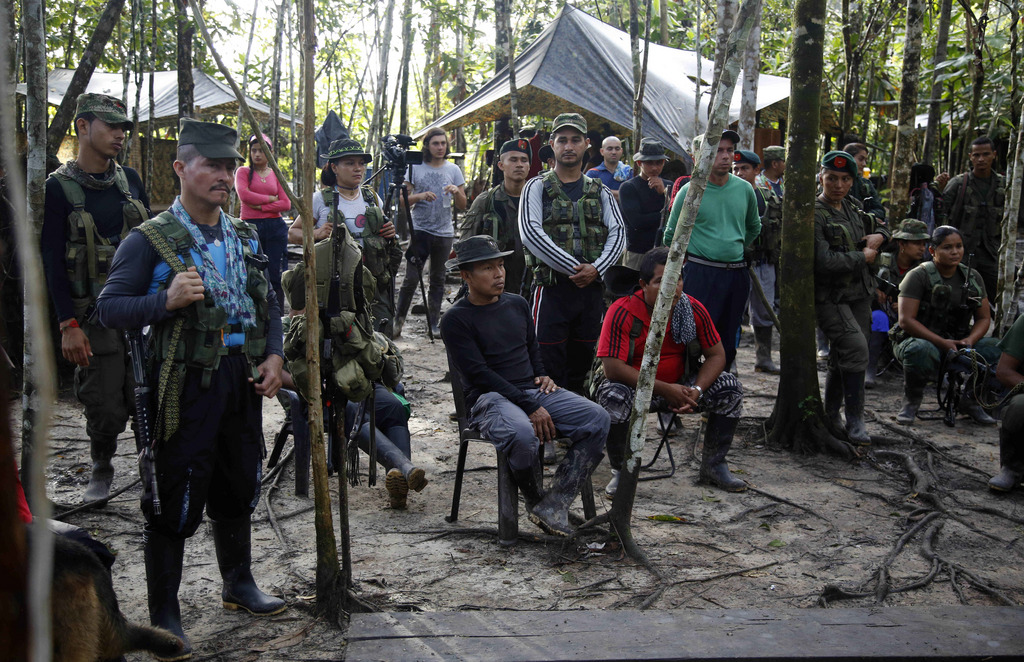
(293, 282)
(295, 354)
(394, 366)
(350, 378)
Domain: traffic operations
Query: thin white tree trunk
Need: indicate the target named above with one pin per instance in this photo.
(698, 82)
(1009, 301)
(751, 72)
(381, 94)
(932, 141)
(906, 133)
(245, 82)
(725, 17)
(39, 388)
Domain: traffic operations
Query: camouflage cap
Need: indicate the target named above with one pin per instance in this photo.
(840, 162)
(746, 156)
(212, 140)
(109, 109)
(343, 147)
(774, 152)
(911, 229)
(574, 120)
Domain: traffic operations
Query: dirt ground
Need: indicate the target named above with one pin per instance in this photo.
(807, 523)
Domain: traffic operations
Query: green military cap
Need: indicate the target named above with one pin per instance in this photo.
(574, 120)
(109, 109)
(840, 162)
(774, 152)
(746, 156)
(343, 147)
(911, 229)
(212, 140)
(518, 145)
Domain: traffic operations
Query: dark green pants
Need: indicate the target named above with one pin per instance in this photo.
(106, 386)
(847, 326)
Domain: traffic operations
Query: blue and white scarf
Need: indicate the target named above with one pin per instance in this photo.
(229, 289)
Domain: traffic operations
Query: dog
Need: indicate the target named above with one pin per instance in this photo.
(88, 625)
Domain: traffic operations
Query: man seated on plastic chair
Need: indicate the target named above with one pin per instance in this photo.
(511, 400)
(682, 384)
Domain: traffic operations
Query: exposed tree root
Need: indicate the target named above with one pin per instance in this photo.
(954, 570)
(916, 438)
(806, 509)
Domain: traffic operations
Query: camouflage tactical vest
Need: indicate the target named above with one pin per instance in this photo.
(768, 245)
(375, 247)
(504, 230)
(843, 229)
(88, 255)
(940, 309)
(978, 219)
(202, 341)
(575, 227)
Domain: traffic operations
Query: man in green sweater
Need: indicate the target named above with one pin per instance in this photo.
(727, 222)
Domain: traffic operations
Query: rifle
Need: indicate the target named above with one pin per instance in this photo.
(962, 320)
(331, 310)
(144, 441)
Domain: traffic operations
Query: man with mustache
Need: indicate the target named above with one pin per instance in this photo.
(91, 204)
(196, 277)
(573, 232)
(495, 213)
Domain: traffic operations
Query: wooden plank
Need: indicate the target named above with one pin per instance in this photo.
(905, 633)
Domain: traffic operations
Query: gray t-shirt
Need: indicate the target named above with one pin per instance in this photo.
(354, 212)
(435, 216)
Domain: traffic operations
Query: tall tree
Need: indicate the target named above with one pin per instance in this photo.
(751, 74)
(407, 33)
(275, 77)
(186, 85)
(852, 19)
(639, 67)
(38, 392)
(724, 86)
(975, 35)
(380, 98)
(1008, 301)
(906, 133)
(798, 420)
(663, 22)
(725, 16)
(80, 80)
(932, 145)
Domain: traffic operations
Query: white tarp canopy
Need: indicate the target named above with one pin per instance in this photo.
(211, 96)
(580, 64)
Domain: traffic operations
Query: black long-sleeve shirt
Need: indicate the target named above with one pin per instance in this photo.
(105, 207)
(494, 348)
(641, 213)
(127, 303)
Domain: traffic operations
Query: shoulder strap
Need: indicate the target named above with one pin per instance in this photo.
(634, 332)
(151, 231)
(72, 191)
(328, 197)
(368, 196)
(121, 181)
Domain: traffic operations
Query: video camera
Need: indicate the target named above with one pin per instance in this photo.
(395, 148)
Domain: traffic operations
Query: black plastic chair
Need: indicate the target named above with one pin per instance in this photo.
(508, 491)
(297, 427)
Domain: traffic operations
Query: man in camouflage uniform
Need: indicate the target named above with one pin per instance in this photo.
(863, 191)
(846, 244)
(772, 169)
(91, 205)
(573, 232)
(764, 257)
(973, 203)
(495, 213)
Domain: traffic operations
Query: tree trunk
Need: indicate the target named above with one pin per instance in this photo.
(39, 384)
(852, 19)
(66, 111)
(663, 24)
(748, 100)
(407, 32)
(245, 83)
(380, 102)
(976, 40)
(798, 421)
(275, 78)
(1008, 304)
(932, 139)
(699, 81)
(186, 86)
(725, 17)
(639, 67)
(725, 84)
(906, 133)
(297, 168)
(133, 141)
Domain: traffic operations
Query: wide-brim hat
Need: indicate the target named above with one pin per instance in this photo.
(651, 149)
(345, 147)
(212, 140)
(912, 229)
(621, 281)
(474, 249)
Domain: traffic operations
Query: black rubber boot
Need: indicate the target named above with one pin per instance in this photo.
(163, 557)
(969, 405)
(618, 438)
(232, 538)
(1011, 463)
(717, 441)
(552, 513)
(763, 350)
(833, 397)
(876, 343)
(913, 393)
(102, 451)
(529, 486)
(853, 392)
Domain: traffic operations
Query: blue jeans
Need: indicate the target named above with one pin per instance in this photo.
(274, 242)
(508, 427)
(724, 292)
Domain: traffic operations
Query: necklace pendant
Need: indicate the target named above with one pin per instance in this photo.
(216, 242)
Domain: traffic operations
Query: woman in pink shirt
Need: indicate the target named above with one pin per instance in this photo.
(263, 200)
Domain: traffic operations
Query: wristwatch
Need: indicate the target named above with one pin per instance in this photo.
(700, 393)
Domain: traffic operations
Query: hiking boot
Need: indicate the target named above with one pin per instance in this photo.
(913, 393)
(396, 327)
(763, 350)
(398, 489)
(853, 392)
(233, 542)
(714, 469)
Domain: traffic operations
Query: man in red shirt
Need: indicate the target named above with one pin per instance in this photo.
(683, 384)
